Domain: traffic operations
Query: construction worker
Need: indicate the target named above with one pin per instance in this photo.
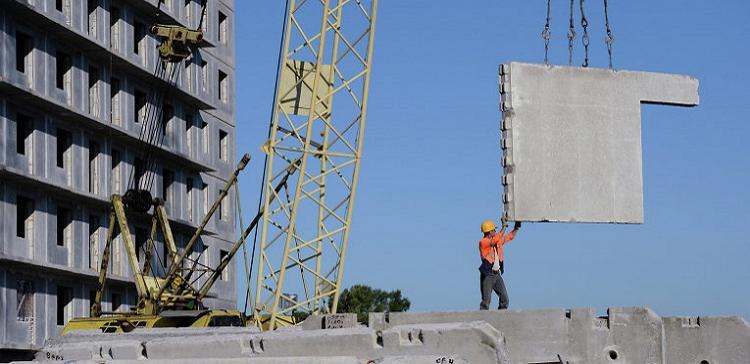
(491, 270)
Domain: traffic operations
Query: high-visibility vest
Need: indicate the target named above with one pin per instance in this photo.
(487, 251)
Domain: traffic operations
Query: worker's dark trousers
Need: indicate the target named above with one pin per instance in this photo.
(489, 282)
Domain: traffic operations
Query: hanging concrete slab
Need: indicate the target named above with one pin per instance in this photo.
(572, 140)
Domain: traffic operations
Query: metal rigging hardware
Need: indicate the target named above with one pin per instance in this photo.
(571, 34)
(326, 61)
(546, 35)
(585, 38)
(610, 39)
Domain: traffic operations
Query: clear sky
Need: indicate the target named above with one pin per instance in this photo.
(431, 167)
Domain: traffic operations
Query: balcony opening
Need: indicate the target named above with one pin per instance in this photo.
(205, 198)
(223, 146)
(64, 304)
(93, 7)
(188, 74)
(114, 28)
(63, 65)
(94, 225)
(139, 106)
(139, 38)
(24, 300)
(114, 100)
(223, 86)
(92, 299)
(167, 114)
(189, 198)
(24, 46)
(24, 130)
(188, 133)
(140, 243)
(224, 273)
(222, 31)
(115, 180)
(64, 146)
(64, 225)
(204, 133)
(94, 91)
(204, 75)
(24, 217)
(140, 171)
(166, 189)
(116, 302)
(94, 179)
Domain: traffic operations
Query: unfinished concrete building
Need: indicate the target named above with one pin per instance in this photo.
(75, 79)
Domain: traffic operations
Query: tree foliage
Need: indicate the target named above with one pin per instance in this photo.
(362, 299)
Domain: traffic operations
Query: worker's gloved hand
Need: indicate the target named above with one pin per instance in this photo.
(517, 225)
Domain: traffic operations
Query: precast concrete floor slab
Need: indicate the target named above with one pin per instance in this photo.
(572, 140)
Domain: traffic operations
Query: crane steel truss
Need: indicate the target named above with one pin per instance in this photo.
(325, 61)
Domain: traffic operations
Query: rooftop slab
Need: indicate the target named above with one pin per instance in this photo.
(572, 140)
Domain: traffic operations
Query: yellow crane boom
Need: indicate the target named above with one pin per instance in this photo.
(318, 122)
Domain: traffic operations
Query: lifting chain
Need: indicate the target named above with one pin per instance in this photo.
(610, 38)
(585, 38)
(571, 34)
(546, 35)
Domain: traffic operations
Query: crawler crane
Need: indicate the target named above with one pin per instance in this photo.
(305, 210)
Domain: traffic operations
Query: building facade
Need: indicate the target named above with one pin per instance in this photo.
(76, 77)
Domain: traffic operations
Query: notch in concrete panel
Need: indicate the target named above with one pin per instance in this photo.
(573, 153)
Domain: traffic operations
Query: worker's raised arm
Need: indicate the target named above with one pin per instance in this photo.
(511, 235)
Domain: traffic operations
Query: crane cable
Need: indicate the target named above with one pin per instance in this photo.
(270, 130)
(585, 38)
(153, 128)
(571, 34)
(244, 246)
(546, 35)
(610, 39)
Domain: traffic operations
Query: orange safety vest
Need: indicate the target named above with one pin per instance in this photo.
(487, 251)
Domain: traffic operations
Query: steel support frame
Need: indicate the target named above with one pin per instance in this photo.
(307, 228)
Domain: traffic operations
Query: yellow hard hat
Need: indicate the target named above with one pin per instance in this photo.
(488, 226)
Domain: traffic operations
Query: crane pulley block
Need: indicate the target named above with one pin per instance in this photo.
(176, 41)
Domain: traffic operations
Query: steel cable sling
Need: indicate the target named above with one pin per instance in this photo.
(571, 34)
(546, 35)
(610, 39)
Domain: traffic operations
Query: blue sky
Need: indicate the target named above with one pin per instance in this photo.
(431, 167)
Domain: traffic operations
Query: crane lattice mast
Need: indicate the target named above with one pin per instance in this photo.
(315, 142)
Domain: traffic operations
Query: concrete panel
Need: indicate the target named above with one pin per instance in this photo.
(461, 342)
(624, 335)
(707, 340)
(572, 140)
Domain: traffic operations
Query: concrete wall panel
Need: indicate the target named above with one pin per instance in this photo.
(572, 140)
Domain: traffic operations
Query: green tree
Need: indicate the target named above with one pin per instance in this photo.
(361, 299)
